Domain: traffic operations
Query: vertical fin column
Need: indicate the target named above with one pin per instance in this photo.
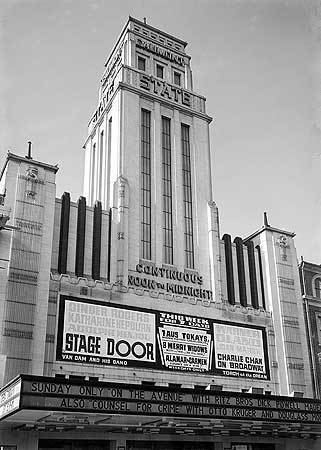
(215, 252)
(229, 268)
(64, 233)
(80, 244)
(120, 224)
(96, 253)
(253, 281)
(241, 270)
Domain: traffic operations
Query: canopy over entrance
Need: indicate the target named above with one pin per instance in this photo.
(54, 404)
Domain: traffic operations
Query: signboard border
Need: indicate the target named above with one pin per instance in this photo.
(157, 365)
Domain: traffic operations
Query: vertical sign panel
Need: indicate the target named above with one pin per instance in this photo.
(185, 342)
(240, 351)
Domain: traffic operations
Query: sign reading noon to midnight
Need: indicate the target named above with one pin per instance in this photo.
(95, 332)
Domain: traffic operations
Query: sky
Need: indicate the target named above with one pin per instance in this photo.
(258, 63)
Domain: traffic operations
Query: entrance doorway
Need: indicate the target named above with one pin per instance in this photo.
(54, 444)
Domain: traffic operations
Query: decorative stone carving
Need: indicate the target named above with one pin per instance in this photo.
(31, 195)
(32, 173)
(283, 243)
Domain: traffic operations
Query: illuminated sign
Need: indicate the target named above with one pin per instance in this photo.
(95, 332)
(103, 334)
(9, 399)
(185, 342)
(165, 90)
(44, 393)
(170, 286)
(159, 51)
(240, 351)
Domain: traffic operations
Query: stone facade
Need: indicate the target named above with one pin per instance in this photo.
(70, 268)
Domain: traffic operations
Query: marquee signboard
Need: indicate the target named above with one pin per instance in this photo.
(95, 332)
(239, 351)
(91, 397)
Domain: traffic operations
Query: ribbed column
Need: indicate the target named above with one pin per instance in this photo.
(64, 233)
(229, 268)
(240, 270)
(252, 270)
(96, 253)
(80, 244)
(261, 275)
(215, 251)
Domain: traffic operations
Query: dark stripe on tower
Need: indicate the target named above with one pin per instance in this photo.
(80, 243)
(229, 268)
(261, 275)
(109, 244)
(253, 281)
(240, 270)
(64, 232)
(96, 242)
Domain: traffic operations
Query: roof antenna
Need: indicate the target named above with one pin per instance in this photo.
(29, 150)
(266, 223)
(145, 20)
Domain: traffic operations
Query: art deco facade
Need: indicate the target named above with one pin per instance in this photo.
(134, 324)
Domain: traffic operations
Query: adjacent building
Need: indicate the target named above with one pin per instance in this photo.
(310, 277)
(127, 320)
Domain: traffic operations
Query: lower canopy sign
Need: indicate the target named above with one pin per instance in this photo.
(93, 332)
(50, 394)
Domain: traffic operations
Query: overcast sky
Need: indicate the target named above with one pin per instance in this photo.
(257, 62)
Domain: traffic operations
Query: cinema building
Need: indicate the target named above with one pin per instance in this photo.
(127, 321)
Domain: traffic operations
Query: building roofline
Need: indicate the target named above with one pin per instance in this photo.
(269, 228)
(139, 22)
(309, 265)
(31, 161)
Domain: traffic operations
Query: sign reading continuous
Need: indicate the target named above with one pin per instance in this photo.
(93, 332)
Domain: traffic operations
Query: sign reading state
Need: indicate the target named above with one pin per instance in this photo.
(93, 332)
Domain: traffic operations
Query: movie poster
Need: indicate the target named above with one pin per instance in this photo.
(185, 342)
(103, 334)
(240, 351)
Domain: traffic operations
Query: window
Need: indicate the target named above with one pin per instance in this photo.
(177, 78)
(187, 198)
(167, 191)
(101, 156)
(145, 186)
(141, 63)
(108, 164)
(93, 178)
(317, 287)
(159, 71)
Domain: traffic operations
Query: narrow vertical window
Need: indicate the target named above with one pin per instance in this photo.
(101, 155)
(187, 198)
(177, 78)
(317, 285)
(141, 63)
(93, 168)
(167, 191)
(159, 71)
(145, 186)
(108, 162)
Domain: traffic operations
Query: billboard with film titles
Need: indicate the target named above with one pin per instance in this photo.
(96, 332)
